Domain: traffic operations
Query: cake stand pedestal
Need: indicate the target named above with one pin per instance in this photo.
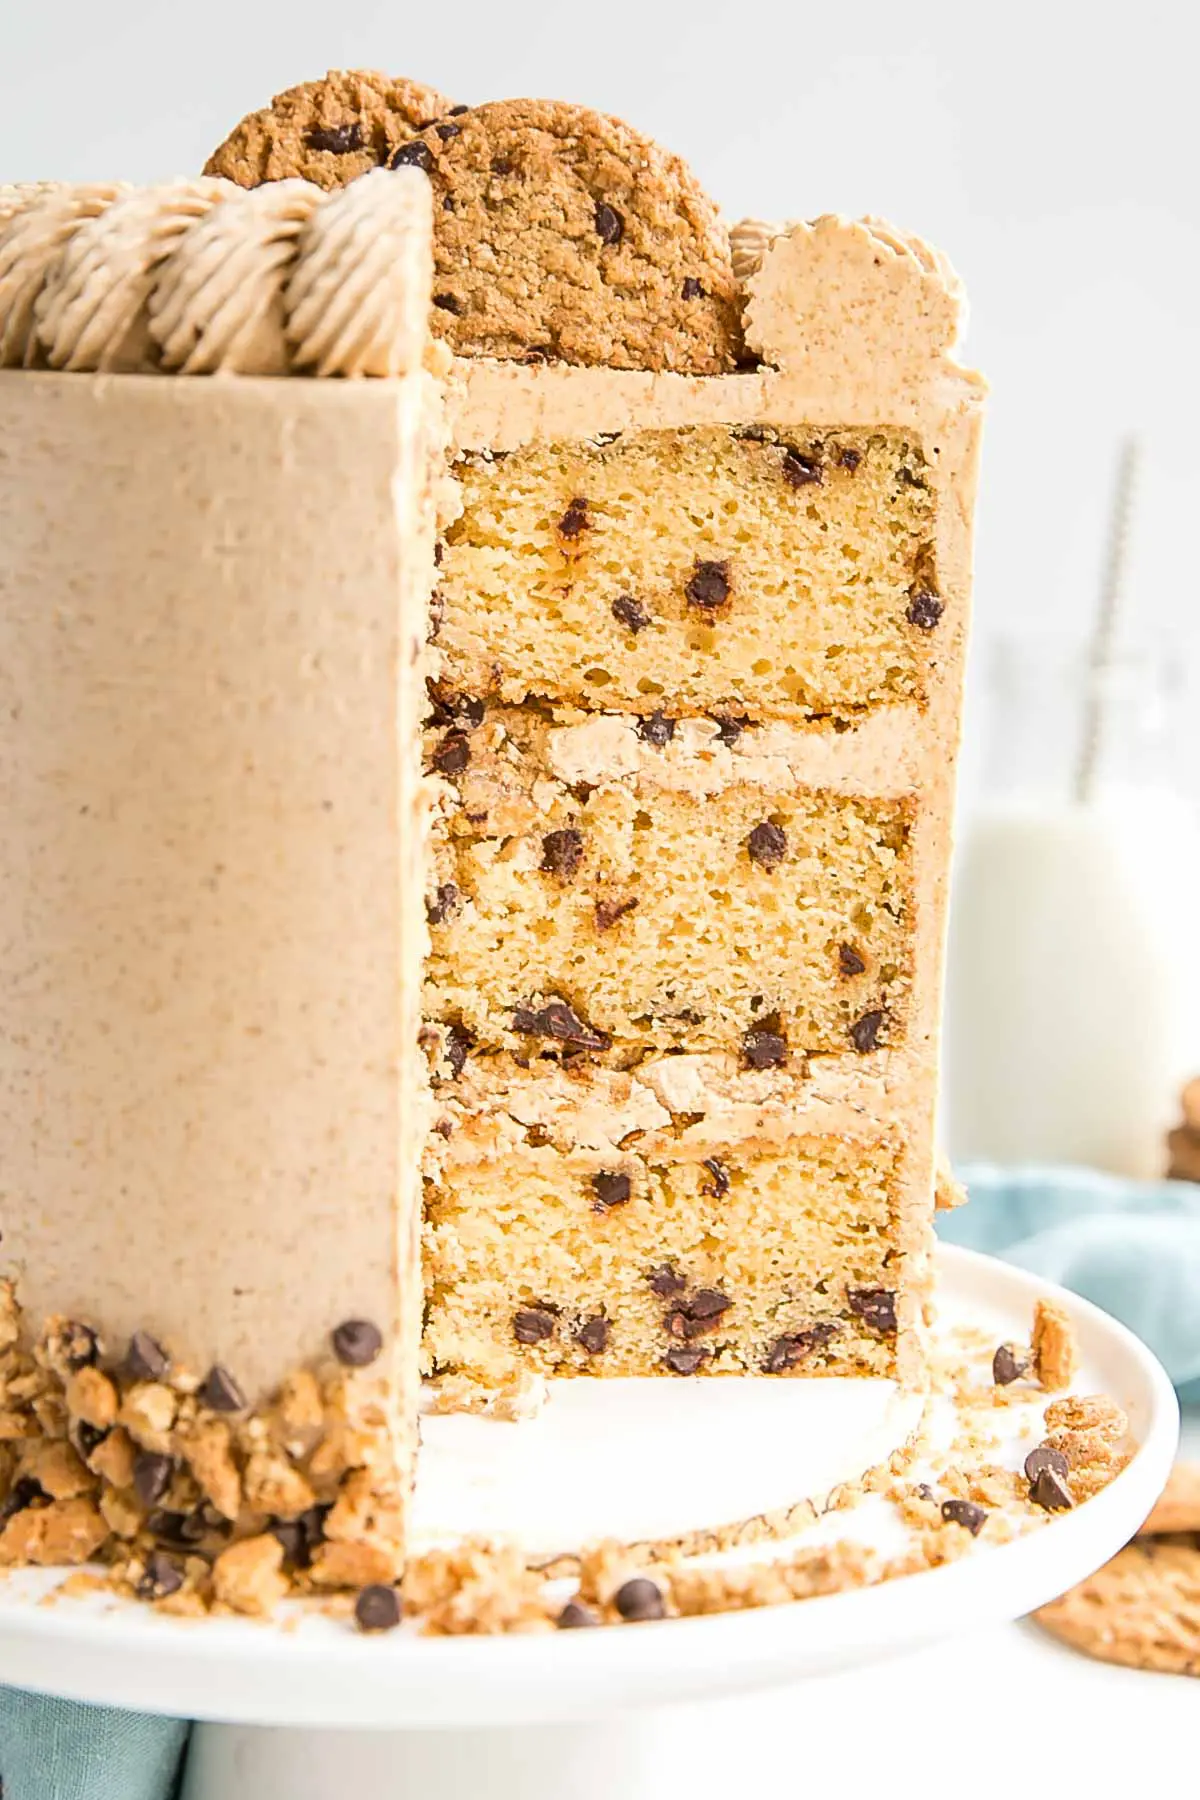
(311, 1710)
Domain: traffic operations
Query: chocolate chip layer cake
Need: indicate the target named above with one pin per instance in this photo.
(664, 574)
(692, 732)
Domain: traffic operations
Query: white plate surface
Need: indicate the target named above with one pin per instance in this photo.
(621, 1459)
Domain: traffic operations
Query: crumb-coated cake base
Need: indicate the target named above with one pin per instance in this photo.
(748, 571)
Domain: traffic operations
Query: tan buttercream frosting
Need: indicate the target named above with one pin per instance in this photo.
(217, 307)
(32, 236)
(360, 259)
(91, 313)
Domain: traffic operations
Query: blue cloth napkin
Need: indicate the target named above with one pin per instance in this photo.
(1133, 1248)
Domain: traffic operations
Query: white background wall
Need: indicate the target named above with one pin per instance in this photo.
(1051, 148)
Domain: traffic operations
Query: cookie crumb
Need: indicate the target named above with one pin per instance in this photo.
(1055, 1347)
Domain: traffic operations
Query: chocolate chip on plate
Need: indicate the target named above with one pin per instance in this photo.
(631, 613)
(1050, 1491)
(767, 845)
(1008, 1365)
(639, 1599)
(562, 852)
(356, 1342)
(531, 1324)
(611, 1188)
(1045, 1456)
(220, 1391)
(972, 1518)
(377, 1608)
(575, 1617)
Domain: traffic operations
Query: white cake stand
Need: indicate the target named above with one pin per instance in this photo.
(310, 1710)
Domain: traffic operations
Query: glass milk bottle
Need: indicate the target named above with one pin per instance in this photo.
(1073, 998)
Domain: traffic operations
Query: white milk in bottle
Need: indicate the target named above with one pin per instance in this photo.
(1073, 999)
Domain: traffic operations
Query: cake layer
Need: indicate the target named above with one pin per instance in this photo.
(761, 918)
(775, 1254)
(738, 572)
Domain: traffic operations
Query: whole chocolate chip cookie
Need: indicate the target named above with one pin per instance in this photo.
(327, 131)
(562, 234)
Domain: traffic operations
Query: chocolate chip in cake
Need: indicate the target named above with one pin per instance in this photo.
(356, 1342)
(151, 1476)
(610, 226)
(631, 613)
(593, 1335)
(763, 1049)
(300, 1536)
(558, 1021)
(377, 1608)
(609, 911)
(767, 845)
(575, 520)
(656, 729)
(794, 1346)
(448, 303)
(456, 1047)
(864, 1033)
(611, 1189)
(876, 1307)
(708, 1303)
(800, 468)
(339, 140)
(531, 1324)
(730, 726)
(972, 1518)
(442, 904)
(1008, 1365)
(562, 852)
(924, 609)
(719, 1185)
(848, 459)
(639, 1599)
(709, 585)
(684, 1359)
(575, 1617)
(446, 131)
(453, 753)
(415, 154)
(849, 961)
(21, 1495)
(220, 1391)
(446, 707)
(1045, 1456)
(692, 289)
(145, 1359)
(666, 1282)
(182, 1529)
(87, 1438)
(1050, 1491)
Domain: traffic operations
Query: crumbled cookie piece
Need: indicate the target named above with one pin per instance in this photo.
(249, 1578)
(65, 1531)
(1088, 1413)
(561, 233)
(328, 131)
(475, 1586)
(1055, 1349)
(91, 1396)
